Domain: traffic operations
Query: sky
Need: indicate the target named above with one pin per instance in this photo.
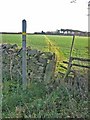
(46, 15)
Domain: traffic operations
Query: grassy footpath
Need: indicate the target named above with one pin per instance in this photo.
(53, 48)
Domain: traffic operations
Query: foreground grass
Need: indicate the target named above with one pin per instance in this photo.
(42, 99)
(38, 101)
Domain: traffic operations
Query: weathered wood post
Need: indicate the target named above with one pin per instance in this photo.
(70, 60)
(24, 65)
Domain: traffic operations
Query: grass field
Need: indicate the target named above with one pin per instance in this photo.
(63, 43)
(35, 41)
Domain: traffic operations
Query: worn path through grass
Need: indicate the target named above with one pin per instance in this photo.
(55, 49)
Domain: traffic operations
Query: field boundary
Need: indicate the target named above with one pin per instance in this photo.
(71, 59)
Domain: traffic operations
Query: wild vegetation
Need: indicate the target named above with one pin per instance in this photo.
(42, 98)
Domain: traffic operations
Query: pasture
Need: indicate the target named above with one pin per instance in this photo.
(63, 43)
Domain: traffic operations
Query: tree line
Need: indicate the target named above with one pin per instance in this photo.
(65, 32)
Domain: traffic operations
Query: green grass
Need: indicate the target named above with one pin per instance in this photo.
(63, 42)
(35, 102)
(37, 42)
(12, 39)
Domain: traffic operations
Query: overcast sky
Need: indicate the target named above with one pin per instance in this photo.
(46, 15)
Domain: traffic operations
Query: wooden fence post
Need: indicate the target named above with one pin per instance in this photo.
(70, 60)
(24, 65)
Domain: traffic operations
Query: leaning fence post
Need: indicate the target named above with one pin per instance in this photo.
(24, 71)
(70, 60)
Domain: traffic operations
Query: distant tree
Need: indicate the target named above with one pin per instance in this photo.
(42, 32)
(57, 31)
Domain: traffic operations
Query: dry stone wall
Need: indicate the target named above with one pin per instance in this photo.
(40, 65)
